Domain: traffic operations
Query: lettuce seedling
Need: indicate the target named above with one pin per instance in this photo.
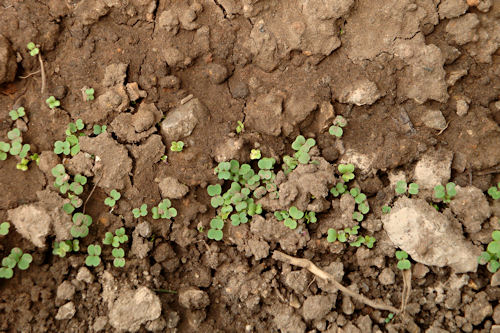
(98, 129)
(310, 217)
(52, 102)
(81, 224)
(4, 149)
(62, 147)
(89, 94)
(389, 317)
(402, 187)
(61, 248)
(82, 180)
(119, 255)
(114, 196)
(16, 114)
(370, 241)
(302, 146)
(94, 252)
(142, 211)
(386, 209)
(119, 238)
(494, 192)
(338, 189)
(33, 49)
(289, 217)
(255, 154)
(266, 164)
(240, 127)
(164, 210)
(16, 257)
(177, 146)
(4, 228)
(491, 257)
(215, 231)
(445, 193)
(60, 173)
(347, 171)
(336, 128)
(403, 262)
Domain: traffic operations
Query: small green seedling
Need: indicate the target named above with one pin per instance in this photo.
(351, 235)
(403, 262)
(78, 125)
(290, 218)
(4, 228)
(386, 209)
(94, 252)
(302, 146)
(33, 49)
(491, 257)
(240, 127)
(402, 187)
(60, 173)
(81, 224)
(164, 210)
(114, 196)
(336, 128)
(52, 102)
(389, 318)
(98, 129)
(16, 257)
(119, 238)
(89, 94)
(339, 189)
(4, 149)
(119, 255)
(494, 192)
(347, 171)
(177, 146)
(16, 114)
(255, 154)
(61, 248)
(215, 231)
(445, 193)
(142, 211)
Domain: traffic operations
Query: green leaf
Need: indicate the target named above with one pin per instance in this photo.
(363, 208)
(401, 255)
(4, 146)
(14, 134)
(357, 216)
(496, 235)
(4, 228)
(401, 187)
(6, 273)
(214, 190)
(303, 158)
(386, 209)
(484, 258)
(92, 261)
(215, 234)
(450, 189)
(235, 219)
(439, 191)
(360, 198)
(346, 168)
(290, 223)
(68, 208)
(341, 236)
(118, 253)
(336, 131)
(493, 266)
(217, 201)
(25, 261)
(217, 223)
(413, 189)
(404, 264)
(296, 213)
(298, 143)
(266, 163)
(494, 247)
(332, 235)
(108, 238)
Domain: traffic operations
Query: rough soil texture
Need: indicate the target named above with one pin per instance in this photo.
(417, 80)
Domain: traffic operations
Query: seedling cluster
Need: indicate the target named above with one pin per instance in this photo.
(403, 262)
(301, 156)
(255, 154)
(81, 224)
(491, 257)
(350, 235)
(61, 248)
(17, 148)
(294, 215)
(402, 187)
(16, 114)
(177, 146)
(52, 102)
(336, 129)
(141, 211)
(33, 49)
(445, 193)
(98, 129)
(71, 145)
(240, 127)
(116, 240)
(114, 196)
(93, 258)
(164, 210)
(72, 189)
(362, 202)
(15, 258)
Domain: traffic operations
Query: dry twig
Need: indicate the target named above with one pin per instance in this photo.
(307, 264)
(42, 69)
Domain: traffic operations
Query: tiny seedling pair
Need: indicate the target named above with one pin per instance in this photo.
(81, 224)
(93, 258)
(114, 196)
(445, 193)
(290, 218)
(491, 257)
(177, 146)
(255, 154)
(350, 233)
(52, 102)
(402, 187)
(16, 114)
(215, 231)
(16, 257)
(336, 128)
(98, 129)
(494, 192)
(4, 228)
(141, 211)
(403, 262)
(164, 210)
(240, 127)
(61, 248)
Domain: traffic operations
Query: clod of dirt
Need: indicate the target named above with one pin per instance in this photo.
(193, 299)
(478, 309)
(286, 320)
(134, 308)
(89, 11)
(238, 89)
(48, 160)
(462, 30)
(35, 221)
(232, 148)
(171, 188)
(362, 92)
(263, 114)
(113, 164)
(8, 65)
(387, 277)
(181, 121)
(424, 78)
(298, 281)
(433, 168)
(138, 126)
(452, 8)
(471, 207)
(134, 93)
(114, 100)
(81, 163)
(217, 73)
(84, 275)
(429, 237)
(462, 107)
(115, 75)
(173, 57)
(67, 311)
(316, 307)
(140, 245)
(434, 119)
(65, 291)
(297, 108)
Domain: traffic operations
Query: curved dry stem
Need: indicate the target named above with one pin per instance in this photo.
(307, 264)
(42, 69)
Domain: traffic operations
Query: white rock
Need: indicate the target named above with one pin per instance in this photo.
(67, 311)
(452, 8)
(434, 119)
(171, 188)
(134, 308)
(462, 30)
(84, 275)
(433, 168)
(462, 107)
(32, 222)
(429, 237)
(363, 92)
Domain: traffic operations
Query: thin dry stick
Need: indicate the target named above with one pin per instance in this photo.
(307, 264)
(30, 74)
(406, 289)
(90, 195)
(42, 69)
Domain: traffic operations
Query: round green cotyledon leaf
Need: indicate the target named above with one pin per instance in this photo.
(217, 223)
(494, 247)
(336, 131)
(214, 190)
(296, 213)
(401, 255)
(439, 191)
(404, 264)
(290, 223)
(215, 234)
(332, 235)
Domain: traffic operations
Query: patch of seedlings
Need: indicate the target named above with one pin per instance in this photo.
(402, 187)
(491, 257)
(61, 248)
(445, 193)
(15, 258)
